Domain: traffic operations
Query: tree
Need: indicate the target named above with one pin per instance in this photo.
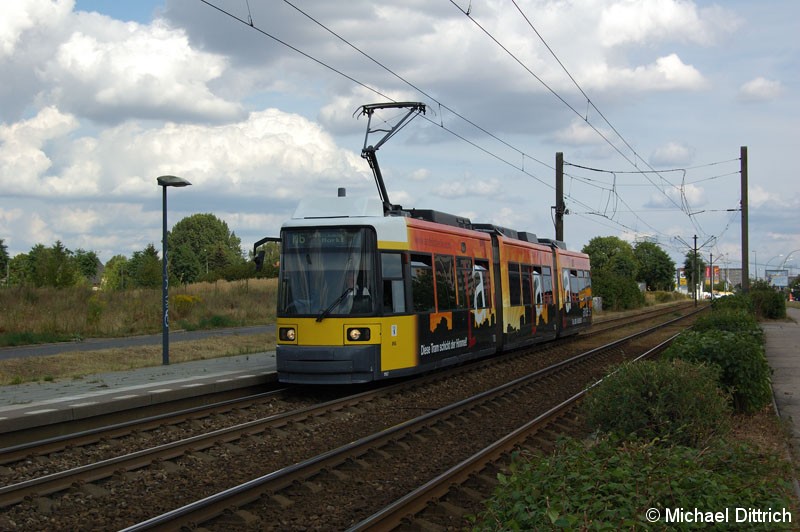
(612, 254)
(272, 256)
(145, 268)
(54, 266)
(116, 273)
(4, 260)
(87, 264)
(184, 263)
(694, 276)
(614, 269)
(654, 268)
(18, 268)
(209, 240)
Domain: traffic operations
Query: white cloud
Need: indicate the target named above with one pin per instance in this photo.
(695, 196)
(468, 188)
(20, 16)
(134, 70)
(760, 89)
(22, 225)
(672, 154)
(23, 160)
(688, 196)
(93, 66)
(758, 196)
(421, 174)
(271, 153)
(270, 156)
(579, 133)
(668, 73)
(643, 21)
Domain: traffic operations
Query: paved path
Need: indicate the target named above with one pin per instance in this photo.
(783, 354)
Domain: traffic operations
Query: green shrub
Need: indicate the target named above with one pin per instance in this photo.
(769, 304)
(618, 292)
(673, 401)
(734, 320)
(763, 301)
(745, 373)
(611, 486)
(184, 304)
(737, 301)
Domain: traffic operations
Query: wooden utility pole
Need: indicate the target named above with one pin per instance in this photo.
(560, 207)
(745, 240)
(711, 271)
(695, 273)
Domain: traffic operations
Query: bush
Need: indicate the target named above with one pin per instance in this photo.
(610, 486)
(763, 301)
(618, 292)
(734, 302)
(769, 304)
(734, 320)
(184, 304)
(745, 373)
(673, 401)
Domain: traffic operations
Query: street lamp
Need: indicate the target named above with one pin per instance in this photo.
(166, 181)
(756, 263)
(786, 259)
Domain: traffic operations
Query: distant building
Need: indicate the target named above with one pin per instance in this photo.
(733, 277)
(730, 277)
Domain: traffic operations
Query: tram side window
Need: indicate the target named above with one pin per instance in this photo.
(445, 283)
(514, 286)
(394, 298)
(538, 287)
(463, 279)
(585, 284)
(547, 285)
(422, 283)
(574, 285)
(480, 293)
(526, 285)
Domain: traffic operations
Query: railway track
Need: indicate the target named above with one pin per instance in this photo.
(457, 492)
(285, 439)
(354, 472)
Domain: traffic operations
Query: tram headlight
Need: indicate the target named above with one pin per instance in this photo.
(358, 334)
(287, 334)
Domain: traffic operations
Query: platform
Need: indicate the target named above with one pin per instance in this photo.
(34, 404)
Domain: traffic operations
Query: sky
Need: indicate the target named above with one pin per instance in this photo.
(257, 105)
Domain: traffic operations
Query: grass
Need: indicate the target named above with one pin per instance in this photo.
(78, 364)
(46, 315)
(42, 315)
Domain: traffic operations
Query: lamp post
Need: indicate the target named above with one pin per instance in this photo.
(165, 181)
(786, 259)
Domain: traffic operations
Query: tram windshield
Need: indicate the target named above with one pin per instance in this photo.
(327, 272)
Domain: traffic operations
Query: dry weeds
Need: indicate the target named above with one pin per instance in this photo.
(79, 364)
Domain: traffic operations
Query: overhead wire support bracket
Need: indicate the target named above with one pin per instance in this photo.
(368, 152)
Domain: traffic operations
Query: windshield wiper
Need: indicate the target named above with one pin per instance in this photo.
(324, 313)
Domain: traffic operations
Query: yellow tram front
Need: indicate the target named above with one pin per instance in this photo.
(341, 313)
